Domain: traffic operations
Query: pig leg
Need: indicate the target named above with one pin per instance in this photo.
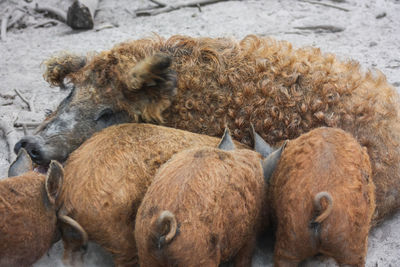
(352, 257)
(350, 251)
(245, 254)
(286, 253)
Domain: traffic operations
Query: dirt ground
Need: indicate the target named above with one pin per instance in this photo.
(367, 31)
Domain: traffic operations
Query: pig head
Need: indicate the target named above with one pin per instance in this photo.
(106, 91)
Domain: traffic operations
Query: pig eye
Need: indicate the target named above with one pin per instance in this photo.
(105, 115)
(108, 117)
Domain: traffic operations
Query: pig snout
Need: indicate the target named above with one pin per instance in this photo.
(34, 146)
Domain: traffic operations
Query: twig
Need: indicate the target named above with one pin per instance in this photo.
(5, 25)
(158, 3)
(26, 124)
(28, 103)
(321, 28)
(6, 96)
(22, 97)
(327, 5)
(7, 103)
(4, 22)
(129, 12)
(46, 24)
(31, 103)
(104, 26)
(17, 18)
(11, 138)
(158, 10)
(58, 13)
(299, 33)
(25, 128)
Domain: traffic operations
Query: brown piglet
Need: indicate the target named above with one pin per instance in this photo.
(203, 208)
(322, 198)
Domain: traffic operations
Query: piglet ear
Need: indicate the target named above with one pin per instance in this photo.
(226, 142)
(21, 164)
(260, 145)
(54, 180)
(153, 71)
(269, 164)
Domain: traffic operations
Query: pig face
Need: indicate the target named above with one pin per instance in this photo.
(97, 101)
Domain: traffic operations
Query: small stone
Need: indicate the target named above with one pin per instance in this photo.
(381, 15)
(371, 44)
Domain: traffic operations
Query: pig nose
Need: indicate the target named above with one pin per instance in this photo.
(31, 146)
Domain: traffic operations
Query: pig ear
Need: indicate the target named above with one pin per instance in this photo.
(21, 164)
(260, 145)
(54, 180)
(152, 72)
(226, 142)
(269, 164)
(59, 67)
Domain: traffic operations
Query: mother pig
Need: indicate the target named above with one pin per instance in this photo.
(203, 84)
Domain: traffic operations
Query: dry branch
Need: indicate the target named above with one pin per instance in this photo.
(158, 3)
(322, 28)
(46, 24)
(327, 5)
(4, 22)
(26, 124)
(11, 138)
(15, 19)
(58, 13)
(29, 103)
(25, 128)
(6, 96)
(7, 103)
(168, 8)
(7, 24)
(104, 26)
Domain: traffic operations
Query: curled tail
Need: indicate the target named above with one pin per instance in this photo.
(166, 228)
(323, 214)
(72, 231)
(75, 241)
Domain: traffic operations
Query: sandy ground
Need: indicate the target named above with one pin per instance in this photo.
(367, 31)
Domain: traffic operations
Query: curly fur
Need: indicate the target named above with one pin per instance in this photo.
(106, 179)
(322, 198)
(283, 91)
(215, 196)
(27, 220)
